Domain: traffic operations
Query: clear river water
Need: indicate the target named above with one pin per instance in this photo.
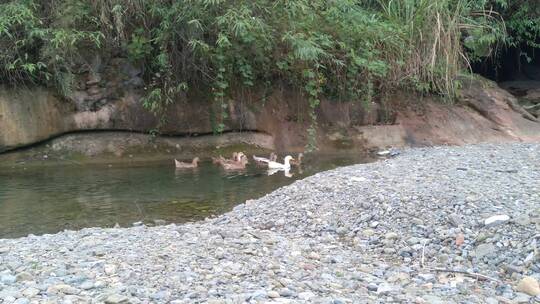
(48, 199)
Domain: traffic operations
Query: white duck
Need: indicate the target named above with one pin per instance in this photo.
(264, 160)
(286, 172)
(275, 165)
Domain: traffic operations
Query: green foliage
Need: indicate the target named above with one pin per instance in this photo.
(522, 19)
(339, 49)
(40, 41)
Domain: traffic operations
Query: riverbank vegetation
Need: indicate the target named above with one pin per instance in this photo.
(344, 50)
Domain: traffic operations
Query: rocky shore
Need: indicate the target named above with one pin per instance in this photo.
(433, 225)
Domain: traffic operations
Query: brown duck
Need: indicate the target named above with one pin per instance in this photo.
(237, 165)
(185, 165)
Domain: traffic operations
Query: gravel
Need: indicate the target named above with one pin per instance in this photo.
(409, 229)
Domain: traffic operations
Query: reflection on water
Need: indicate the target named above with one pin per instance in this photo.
(50, 199)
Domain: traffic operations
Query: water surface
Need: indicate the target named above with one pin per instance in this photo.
(49, 199)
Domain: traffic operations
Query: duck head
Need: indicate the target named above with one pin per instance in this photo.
(288, 159)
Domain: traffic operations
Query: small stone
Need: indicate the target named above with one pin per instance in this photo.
(529, 285)
(455, 220)
(427, 277)
(385, 288)
(368, 232)
(342, 231)
(529, 258)
(483, 250)
(30, 292)
(24, 276)
(86, 285)
(491, 300)
(522, 220)
(314, 256)
(285, 292)
(460, 239)
(63, 288)
(158, 222)
(389, 250)
(136, 224)
(219, 253)
(307, 295)
(432, 299)
(511, 269)
(110, 269)
(522, 298)
(7, 279)
(100, 284)
(372, 287)
(273, 294)
(374, 224)
(391, 236)
(496, 220)
(116, 299)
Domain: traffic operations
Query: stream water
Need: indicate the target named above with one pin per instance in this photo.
(49, 199)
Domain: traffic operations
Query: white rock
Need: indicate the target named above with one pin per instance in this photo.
(273, 294)
(110, 269)
(496, 220)
(30, 292)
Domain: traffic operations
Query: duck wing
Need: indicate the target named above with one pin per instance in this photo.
(181, 165)
(275, 165)
(261, 159)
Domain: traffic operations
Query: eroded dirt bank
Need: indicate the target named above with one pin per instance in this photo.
(483, 113)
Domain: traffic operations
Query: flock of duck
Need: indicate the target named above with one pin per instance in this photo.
(239, 161)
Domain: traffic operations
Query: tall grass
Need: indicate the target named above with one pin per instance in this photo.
(434, 33)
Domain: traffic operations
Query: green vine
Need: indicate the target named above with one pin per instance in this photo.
(312, 87)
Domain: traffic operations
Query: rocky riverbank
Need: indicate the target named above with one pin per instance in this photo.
(434, 225)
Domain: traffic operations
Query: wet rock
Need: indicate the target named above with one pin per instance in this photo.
(158, 222)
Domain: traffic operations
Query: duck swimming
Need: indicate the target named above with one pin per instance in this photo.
(276, 165)
(220, 159)
(236, 165)
(184, 165)
(298, 162)
(265, 161)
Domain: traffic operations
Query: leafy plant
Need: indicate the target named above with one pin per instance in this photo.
(340, 49)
